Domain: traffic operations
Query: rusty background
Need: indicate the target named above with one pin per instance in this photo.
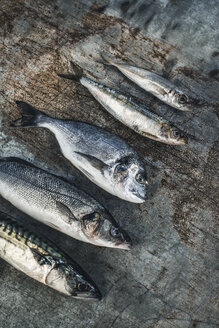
(169, 279)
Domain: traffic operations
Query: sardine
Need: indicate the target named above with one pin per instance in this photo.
(131, 114)
(58, 204)
(43, 261)
(103, 157)
(161, 88)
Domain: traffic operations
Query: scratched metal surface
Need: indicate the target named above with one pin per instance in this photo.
(169, 279)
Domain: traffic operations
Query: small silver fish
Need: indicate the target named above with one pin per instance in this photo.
(134, 116)
(58, 204)
(161, 88)
(43, 261)
(103, 157)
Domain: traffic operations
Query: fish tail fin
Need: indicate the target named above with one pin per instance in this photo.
(30, 116)
(76, 76)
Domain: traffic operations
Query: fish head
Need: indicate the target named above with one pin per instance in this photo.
(102, 230)
(82, 288)
(181, 101)
(172, 135)
(130, 180)
(70, 279)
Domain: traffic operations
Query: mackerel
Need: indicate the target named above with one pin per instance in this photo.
(41, 260)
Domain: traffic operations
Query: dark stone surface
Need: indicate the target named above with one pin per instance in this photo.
(169, 278)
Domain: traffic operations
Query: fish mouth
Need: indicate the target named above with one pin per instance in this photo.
(89, 296)
(126, 246)
(183, 141)
(140, 198)
(187, 108)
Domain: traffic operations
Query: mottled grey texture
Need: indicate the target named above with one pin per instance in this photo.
(169, 279)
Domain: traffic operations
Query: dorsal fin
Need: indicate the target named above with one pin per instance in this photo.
(18, 160)
(30, 164)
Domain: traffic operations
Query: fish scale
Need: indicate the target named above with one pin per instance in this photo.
(13, 231)
(87, 137)
(58, 204)
(43, 261)
(160, 87)
(125, 100)
(106, 159)
(52, 188)
(137, 117)
(133, 115)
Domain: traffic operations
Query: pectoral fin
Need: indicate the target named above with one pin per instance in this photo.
(42, 259)
(53, 226)
(67, 215)
(93, 161)
(159, 90)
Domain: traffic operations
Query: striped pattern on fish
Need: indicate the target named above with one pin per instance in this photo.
(43, 261)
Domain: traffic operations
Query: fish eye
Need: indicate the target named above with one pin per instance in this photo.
(182, 99)
(114, 232)
(139, 178)
(176, 133)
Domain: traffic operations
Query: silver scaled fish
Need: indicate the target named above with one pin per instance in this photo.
(103, 157)
(43, 261)
(155, 84)
(137, 117)
(58, 204)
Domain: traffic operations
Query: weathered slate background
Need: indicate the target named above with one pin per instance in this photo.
(169, 279)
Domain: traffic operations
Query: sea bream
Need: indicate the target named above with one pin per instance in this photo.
(41, 260)
(103, 157)
(58, 204)
(137, 117)
(160, 87)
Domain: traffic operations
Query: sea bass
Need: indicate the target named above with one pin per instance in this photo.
(58, 204)
(161, 88)
(42, 260)
(131, 114)
(103, 157)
